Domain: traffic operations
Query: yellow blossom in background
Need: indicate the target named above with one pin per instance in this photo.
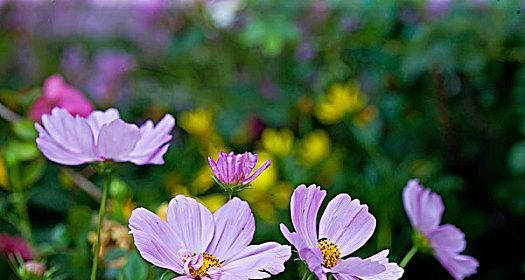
(277, 142)
(340, 100)
(281, 195)
(331, 166)
(127, 208)
(365, 117)
(265, 210)
(213, 149)
(261, 204)
(268, 178)
(4, 181)
(203, 180)
(213, 201)
(314, 147)
(162, 210)
(198, 122)
(179, 189)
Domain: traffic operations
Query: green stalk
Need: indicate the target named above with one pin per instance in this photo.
(20, 201)
(306, 275)
(408, 256)
(101, 214)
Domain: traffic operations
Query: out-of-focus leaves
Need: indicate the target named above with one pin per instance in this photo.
(516, 159)
(135, 268)
(79, 222)
(25, 129)
(119, 190)
(32, 171)
(21, 151)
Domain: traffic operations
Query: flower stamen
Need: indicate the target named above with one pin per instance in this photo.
(208, 261)
(331, 252)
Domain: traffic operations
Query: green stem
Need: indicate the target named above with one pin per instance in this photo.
(20, 200)
(306, 275)
(101, 214)
(408, 257)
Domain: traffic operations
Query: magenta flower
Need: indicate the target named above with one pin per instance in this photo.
(200, 245)
(424, 209)
(15, 245)
(102, 136)
(235, 169)
(345, 226)
(57, 93)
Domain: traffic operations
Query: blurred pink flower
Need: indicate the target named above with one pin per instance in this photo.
(102, 136)
(109, 81)
(57, 93)
(10, 244)
(35, 268)
(424, 209)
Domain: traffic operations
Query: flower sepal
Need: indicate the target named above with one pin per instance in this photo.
(422, 243)
(232, 189)
(105, 168)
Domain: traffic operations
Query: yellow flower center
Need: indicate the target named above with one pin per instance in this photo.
(331, 252)
(208, 262)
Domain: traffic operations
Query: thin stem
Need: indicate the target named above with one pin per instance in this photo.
(8, 115)
(20, 200)
(306, 275)
(83, 183)
(408, 257)
(101, 214)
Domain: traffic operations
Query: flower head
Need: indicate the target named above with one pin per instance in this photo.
(235, 170)
(109, 82)
(57, 93)
(345, 226)
(102, 136)
(200, 245)
(35, 268)
(424, 209)
(15, 245)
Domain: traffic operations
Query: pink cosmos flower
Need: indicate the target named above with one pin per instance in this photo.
(424, 209)
(15, 245)
(200, 245)
(57, 93)
(234, 169)
(102, 136)
(345, 226)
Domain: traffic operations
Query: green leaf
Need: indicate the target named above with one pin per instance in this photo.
(21, 151)
(25, 129)
(516, 159)
(33, 171)
(79, 222)
(135, 268)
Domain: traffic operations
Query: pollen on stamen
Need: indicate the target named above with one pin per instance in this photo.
(208, 261)
(331, 252)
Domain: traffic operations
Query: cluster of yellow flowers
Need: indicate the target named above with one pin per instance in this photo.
(269, 192)
(199, 124)
(342, 99)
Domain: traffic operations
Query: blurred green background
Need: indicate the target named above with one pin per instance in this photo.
(355, 96)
